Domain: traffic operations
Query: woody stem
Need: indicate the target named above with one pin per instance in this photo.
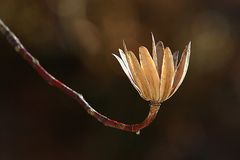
(51, 80)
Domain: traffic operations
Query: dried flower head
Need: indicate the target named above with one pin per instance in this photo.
(156, 77)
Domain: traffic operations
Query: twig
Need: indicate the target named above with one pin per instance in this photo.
(20, 49)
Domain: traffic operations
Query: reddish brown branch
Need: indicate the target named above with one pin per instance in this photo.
(19, 48)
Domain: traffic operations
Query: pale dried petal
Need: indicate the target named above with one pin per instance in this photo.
(138, 75)
(124, 47)
(181, 69)
(167, 75)
(175, 59)
(158, 57)
(124, 59)
(150, 72)
(127, 72)
(154, 51)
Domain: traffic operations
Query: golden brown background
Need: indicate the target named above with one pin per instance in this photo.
(74, 40)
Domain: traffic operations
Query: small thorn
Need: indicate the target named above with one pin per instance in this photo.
(138, 132)
(17, 48)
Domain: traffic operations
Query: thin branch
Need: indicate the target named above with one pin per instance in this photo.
(21, 50)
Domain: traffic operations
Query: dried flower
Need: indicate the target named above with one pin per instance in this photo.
(158, 77)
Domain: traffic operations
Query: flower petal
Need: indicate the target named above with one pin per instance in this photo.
(175, 59)
(127, 72)
(124, 47)
(138, 75)
(154, 51)
(150, 72)
(158, 57)
(167, 75)
(181, 69)
(124, 59)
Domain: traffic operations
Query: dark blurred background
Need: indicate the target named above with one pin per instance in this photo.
(74, 40)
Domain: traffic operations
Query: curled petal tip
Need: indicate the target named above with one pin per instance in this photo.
(124, 47)
(116, 56)
(153, 39)
(189, 44)
(119, 50)
(189, 47)
(152, 34)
